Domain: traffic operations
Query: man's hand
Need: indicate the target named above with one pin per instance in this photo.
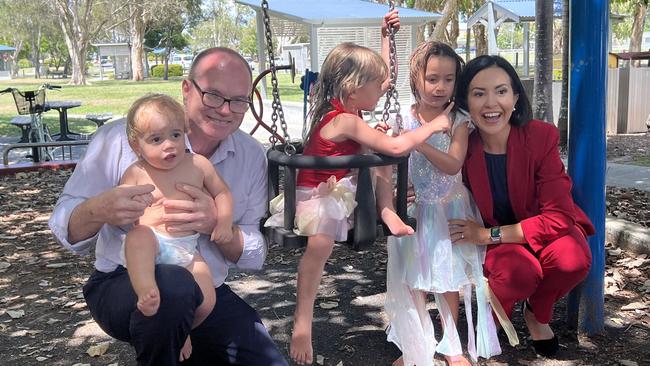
(124, 204)
(118, 206)
(198, 215)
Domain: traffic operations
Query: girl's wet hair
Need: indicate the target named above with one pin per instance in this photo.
(522, 113)
(421, 56)
(161, 104)
(346, 68)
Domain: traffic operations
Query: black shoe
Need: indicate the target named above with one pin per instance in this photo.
(543, 347)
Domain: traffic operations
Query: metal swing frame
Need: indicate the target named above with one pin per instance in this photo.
(286, 154)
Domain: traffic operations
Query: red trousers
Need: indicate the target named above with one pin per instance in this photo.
(516, 273)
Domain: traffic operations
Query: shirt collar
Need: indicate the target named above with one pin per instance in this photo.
(226, 147)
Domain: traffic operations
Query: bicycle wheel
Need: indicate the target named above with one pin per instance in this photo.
(47, 137)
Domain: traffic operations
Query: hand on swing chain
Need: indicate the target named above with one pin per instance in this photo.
(198, 214)
(390, 19)
(383, 127)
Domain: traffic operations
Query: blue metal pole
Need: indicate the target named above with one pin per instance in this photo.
(587, 159)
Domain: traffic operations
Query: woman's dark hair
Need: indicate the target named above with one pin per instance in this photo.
(420, 57)
(522, 113)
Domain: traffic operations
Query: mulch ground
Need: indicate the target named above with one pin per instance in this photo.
(44, 319)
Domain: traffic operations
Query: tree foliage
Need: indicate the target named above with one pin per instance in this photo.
(170, 22)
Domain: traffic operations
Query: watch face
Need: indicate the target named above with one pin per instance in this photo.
(495, 234)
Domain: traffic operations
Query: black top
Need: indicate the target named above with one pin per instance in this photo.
(497, 172)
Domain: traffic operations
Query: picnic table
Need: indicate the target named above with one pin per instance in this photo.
(62, 107)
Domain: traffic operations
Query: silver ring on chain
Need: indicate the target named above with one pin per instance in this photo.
(462, 236)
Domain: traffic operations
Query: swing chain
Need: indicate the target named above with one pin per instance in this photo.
(276, 105)
(392, 94)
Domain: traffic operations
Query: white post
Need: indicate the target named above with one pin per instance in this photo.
(492, 39)
(527, 49)
(313, 48)
(261, 47)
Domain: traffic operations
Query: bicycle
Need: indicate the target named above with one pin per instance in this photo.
(32, 102)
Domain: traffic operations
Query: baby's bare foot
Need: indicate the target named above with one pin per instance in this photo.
(301, 351)
(148, 303)
(186, 351)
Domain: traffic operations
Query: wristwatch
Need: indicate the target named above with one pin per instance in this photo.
(495, 234)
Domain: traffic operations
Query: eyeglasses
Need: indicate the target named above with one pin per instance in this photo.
(214, 100)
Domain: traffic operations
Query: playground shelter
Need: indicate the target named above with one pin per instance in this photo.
(120, 54)
(495, 12)
(5, 61)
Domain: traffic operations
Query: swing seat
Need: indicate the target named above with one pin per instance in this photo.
(365, 230)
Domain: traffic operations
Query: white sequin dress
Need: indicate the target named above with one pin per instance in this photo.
(428, 261)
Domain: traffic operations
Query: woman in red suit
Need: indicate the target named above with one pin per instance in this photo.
(536, 234)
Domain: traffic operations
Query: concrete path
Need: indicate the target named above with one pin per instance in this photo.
(628, 176)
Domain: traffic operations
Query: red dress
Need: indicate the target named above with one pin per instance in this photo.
(318, 146)
(324, 205)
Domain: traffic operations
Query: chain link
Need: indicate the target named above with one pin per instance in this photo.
(276, 105)
(392, 96)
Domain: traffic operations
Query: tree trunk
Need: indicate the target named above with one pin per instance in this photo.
(36, 51)
(440, 31)
(75, 39)
(481, 39)
(136, 25)
(455, 30)
(640, 10)
(563, 118)
(543, 87)
(18, 45)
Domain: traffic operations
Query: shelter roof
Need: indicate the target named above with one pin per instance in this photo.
(525, 9)
(6, 48)
(645, 55)
(338, 12)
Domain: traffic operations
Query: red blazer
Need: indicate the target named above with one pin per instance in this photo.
(538, 186)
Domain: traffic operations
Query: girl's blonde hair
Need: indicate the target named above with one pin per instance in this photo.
(161, 104)
(420, 57)
(346, 68)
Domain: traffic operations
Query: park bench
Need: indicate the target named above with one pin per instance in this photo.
(64, 152)
(25, 125)
(55, 74)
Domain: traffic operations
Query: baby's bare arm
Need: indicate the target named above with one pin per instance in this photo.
(222, 198)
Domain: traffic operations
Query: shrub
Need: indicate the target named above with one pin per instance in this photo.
(174, 70)
(24, 63)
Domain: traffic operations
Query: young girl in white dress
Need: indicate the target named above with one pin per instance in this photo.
(428, 262)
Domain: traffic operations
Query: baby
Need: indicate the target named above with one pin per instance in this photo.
(156, 132)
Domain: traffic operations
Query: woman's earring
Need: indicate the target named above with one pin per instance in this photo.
(514, 109)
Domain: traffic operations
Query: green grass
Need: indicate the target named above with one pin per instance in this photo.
(641, 160)
(113, 96)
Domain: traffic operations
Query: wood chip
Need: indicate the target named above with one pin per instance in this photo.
(16, 314)
(635, 306)
(98, 350)
(328, 305)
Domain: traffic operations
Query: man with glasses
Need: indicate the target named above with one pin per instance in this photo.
(94, 211)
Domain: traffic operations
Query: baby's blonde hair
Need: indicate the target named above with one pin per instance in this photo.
(161, 104)
(346, 68)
